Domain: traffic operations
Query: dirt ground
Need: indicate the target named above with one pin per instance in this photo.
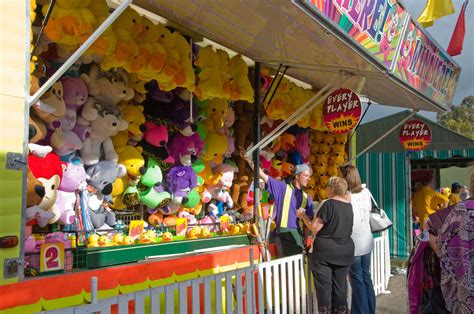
(397, 300)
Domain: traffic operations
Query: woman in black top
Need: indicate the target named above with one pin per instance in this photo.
(333, 249)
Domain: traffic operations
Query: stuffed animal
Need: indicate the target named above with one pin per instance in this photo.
(135, 119)
(131, 158)
(100, 178)
(240, 87)
(152, 194)
(224, 174)
(70, 23)
(302, 144)
(285, 142)
(154, 142)
(118, 187)
(215, 147)
(151, 50)
(180, 181)
(75, 95)
(185, 149)
(108, 123)
(35, 190)
(50, 108)
(216, 114)
(210, 83)
(107, 87)
(73, 180)
(48, 170)
(224, 72)
(127, 27)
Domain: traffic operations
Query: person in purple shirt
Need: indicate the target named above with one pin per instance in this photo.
(288, 197)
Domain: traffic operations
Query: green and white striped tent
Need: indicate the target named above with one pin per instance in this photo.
(385, 168)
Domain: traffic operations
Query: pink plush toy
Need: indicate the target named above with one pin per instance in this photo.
(154, 142)
(185, 149)
(302, 144)
(74, 179)
(75, 96)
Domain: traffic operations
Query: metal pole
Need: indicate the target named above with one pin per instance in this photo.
(78, 53)
(382, 137)
(94, 289)
(285, 125)
(256, 159)
(290, 118)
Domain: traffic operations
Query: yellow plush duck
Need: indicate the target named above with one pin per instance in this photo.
(127, 28)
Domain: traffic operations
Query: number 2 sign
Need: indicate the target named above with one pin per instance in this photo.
(51, 257)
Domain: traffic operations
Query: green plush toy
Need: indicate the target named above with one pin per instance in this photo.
(150, 181)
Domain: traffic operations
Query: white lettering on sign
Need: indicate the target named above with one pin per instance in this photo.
(345, 106)
(415, 133)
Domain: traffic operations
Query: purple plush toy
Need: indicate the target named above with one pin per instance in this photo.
(180, 181)
(185, 149)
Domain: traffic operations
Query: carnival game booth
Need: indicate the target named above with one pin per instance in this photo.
(391, 172)
(134, 113)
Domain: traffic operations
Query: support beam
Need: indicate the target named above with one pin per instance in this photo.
(78, 53)
(306, 108)
(383, 136)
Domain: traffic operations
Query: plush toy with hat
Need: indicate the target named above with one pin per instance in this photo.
(107, 124)
(135, 119)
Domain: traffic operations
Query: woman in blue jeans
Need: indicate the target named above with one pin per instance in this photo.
(363, 295)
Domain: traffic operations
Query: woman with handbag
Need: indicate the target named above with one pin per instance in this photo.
(333, 249)
(363, 295)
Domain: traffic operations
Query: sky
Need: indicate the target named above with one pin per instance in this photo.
(441, 32)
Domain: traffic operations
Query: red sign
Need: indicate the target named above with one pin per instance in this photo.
(415, 135)
(342, 111)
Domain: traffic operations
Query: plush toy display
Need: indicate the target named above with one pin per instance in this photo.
(148, 123)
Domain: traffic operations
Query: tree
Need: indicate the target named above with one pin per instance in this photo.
(461, 118)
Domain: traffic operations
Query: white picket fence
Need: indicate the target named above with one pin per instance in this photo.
(279, 286)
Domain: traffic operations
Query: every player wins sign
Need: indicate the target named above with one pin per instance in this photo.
(415, 135)
(341, 111)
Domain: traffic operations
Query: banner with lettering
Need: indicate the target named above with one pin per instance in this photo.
(377, 25)
(342, 111)
(425, 67)
(415, 135)
(387, 32)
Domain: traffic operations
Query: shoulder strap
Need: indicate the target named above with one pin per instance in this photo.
(373, 200)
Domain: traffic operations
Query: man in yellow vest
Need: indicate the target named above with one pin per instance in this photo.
(288, 198)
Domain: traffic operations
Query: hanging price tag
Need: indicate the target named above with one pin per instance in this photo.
(51, 257)
(135, 229)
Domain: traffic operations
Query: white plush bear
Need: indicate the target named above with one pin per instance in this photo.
(108, 123)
